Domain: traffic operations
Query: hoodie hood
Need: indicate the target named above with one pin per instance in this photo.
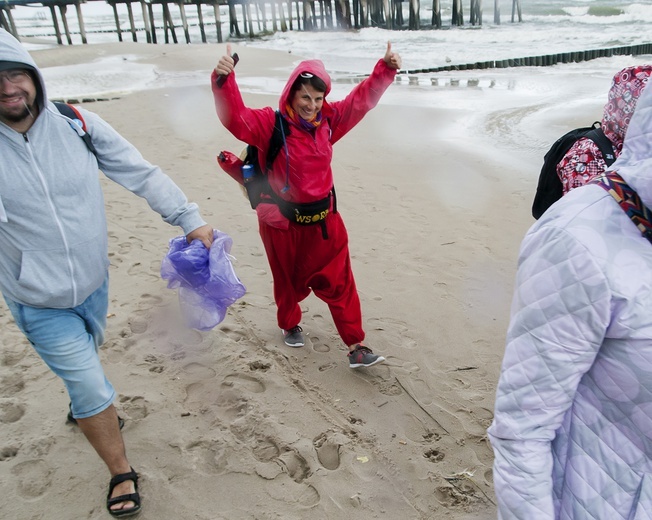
(635, 162)
(626, 88)
(315, 67)
(12, 50)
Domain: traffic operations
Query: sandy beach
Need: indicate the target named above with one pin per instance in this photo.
(231, 424)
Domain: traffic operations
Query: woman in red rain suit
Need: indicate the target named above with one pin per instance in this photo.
(311, 252)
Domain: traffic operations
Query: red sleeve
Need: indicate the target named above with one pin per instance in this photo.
(365, 96)
(251, 126)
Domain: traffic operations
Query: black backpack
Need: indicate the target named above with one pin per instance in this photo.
(549, 188)
(258, 185)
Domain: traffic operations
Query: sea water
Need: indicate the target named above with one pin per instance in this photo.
(546, 26)
(510, 108)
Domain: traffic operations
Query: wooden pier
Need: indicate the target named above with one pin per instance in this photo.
(151, 16)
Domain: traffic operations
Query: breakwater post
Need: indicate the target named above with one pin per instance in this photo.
(543, 60)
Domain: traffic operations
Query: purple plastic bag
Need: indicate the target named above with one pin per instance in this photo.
(205, 278)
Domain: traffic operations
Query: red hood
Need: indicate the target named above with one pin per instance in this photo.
(315, 67)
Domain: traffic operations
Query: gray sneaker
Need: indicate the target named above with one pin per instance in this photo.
(362, 356)
(293, 337)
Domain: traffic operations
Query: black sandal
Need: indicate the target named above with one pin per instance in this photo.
(131, 497)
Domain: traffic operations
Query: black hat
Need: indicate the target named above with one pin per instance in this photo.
(6, 65)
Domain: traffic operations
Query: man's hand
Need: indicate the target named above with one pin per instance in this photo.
(204, 233)
(392, 59)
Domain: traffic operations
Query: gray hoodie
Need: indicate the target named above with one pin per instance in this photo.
(53, 234)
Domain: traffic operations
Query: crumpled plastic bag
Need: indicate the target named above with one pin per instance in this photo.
(205, 278)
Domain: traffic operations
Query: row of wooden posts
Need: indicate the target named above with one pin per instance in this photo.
(345, 14)
(544, 60)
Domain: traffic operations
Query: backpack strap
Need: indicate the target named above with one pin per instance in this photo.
(277, 141)
(76, 118)
(602, 141)
(628, 200)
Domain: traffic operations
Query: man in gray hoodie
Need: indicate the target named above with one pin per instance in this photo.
(54, 244)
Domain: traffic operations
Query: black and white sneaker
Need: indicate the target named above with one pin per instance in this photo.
(293, 337)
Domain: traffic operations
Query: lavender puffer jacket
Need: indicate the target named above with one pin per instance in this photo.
(572, 432)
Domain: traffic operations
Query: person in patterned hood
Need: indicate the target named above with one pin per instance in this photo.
(303, 233)
(584, 161)
(572, 428)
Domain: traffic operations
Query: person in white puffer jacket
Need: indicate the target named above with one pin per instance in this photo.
(572, 428)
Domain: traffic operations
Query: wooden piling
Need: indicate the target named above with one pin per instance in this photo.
(64, 20)
(436, 14)
(132, 27)
(146, 22)
(458, 15)
(7, 20)
(56, 24)
(516, 5)
(184, 21)
(80, 20)
(117, 20)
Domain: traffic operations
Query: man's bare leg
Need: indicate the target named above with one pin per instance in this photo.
(103, 432)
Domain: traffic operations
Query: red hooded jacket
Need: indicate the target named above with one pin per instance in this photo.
(307, 166)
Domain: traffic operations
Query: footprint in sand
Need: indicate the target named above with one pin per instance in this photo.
(381, 378)
(387, 387)
(393, 332)
(244, 381)
(198, 371)
(178, 355)
(10, 411)
(259, 301)
(137, 325)
(422, 392)
(147, 301)
(124, 248)
(9, 358)
(211, 456)
(434, 455)
(461, 494)
(303, 495)
(258, 364)
(322, 323)
(328, 450)
(416, 431)
(318, 346)
(12, 384)
(141, 270)
(158, 366)
(366, 467)
(265, 449)
(8, 452)
(235, 335)
(134, 406)
(33, 478)
(294, 465)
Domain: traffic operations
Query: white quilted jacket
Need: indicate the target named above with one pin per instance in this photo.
(572, 431)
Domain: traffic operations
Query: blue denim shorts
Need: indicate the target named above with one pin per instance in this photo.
(68, 341)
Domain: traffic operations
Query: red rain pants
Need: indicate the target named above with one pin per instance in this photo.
(301, 260)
